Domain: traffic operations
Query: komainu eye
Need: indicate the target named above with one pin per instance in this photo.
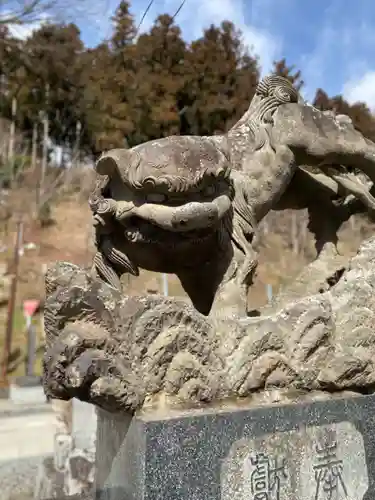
(209, 190)
(156, 198)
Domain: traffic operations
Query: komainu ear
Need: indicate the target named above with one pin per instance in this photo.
(112, 162)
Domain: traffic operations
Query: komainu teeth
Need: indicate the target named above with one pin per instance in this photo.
(118, 258)
(98, 220)
(106, 271)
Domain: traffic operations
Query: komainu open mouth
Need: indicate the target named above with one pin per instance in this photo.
(138, 230)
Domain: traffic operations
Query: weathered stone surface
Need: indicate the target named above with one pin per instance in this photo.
(322, 450)
(191, 205)
(124, 352)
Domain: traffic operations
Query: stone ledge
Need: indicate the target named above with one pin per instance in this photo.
(123, 352)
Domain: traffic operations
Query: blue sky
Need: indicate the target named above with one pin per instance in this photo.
(331, 41)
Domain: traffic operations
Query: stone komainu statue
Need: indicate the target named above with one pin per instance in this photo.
(191, 206)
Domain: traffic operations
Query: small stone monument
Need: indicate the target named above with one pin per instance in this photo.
(201, 401)
(71, 469)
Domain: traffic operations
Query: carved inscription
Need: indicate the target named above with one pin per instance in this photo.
(333, 464)
(328, 468)
(312, 463)
(267, 476)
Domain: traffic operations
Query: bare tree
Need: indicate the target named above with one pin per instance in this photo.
(32, 12)
(20, 12)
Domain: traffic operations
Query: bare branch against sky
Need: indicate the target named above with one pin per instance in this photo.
(25, 12)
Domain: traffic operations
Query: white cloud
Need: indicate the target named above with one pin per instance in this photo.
(216, 11)
(362, 89)
(314, 64)
(342, 52)
(23, 31)
(83, 12)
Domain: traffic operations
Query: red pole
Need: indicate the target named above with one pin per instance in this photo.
(11, 306)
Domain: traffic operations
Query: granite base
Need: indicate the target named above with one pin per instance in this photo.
(322, 450)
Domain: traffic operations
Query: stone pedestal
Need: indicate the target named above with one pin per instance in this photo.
(303, 450)
(112, 436)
